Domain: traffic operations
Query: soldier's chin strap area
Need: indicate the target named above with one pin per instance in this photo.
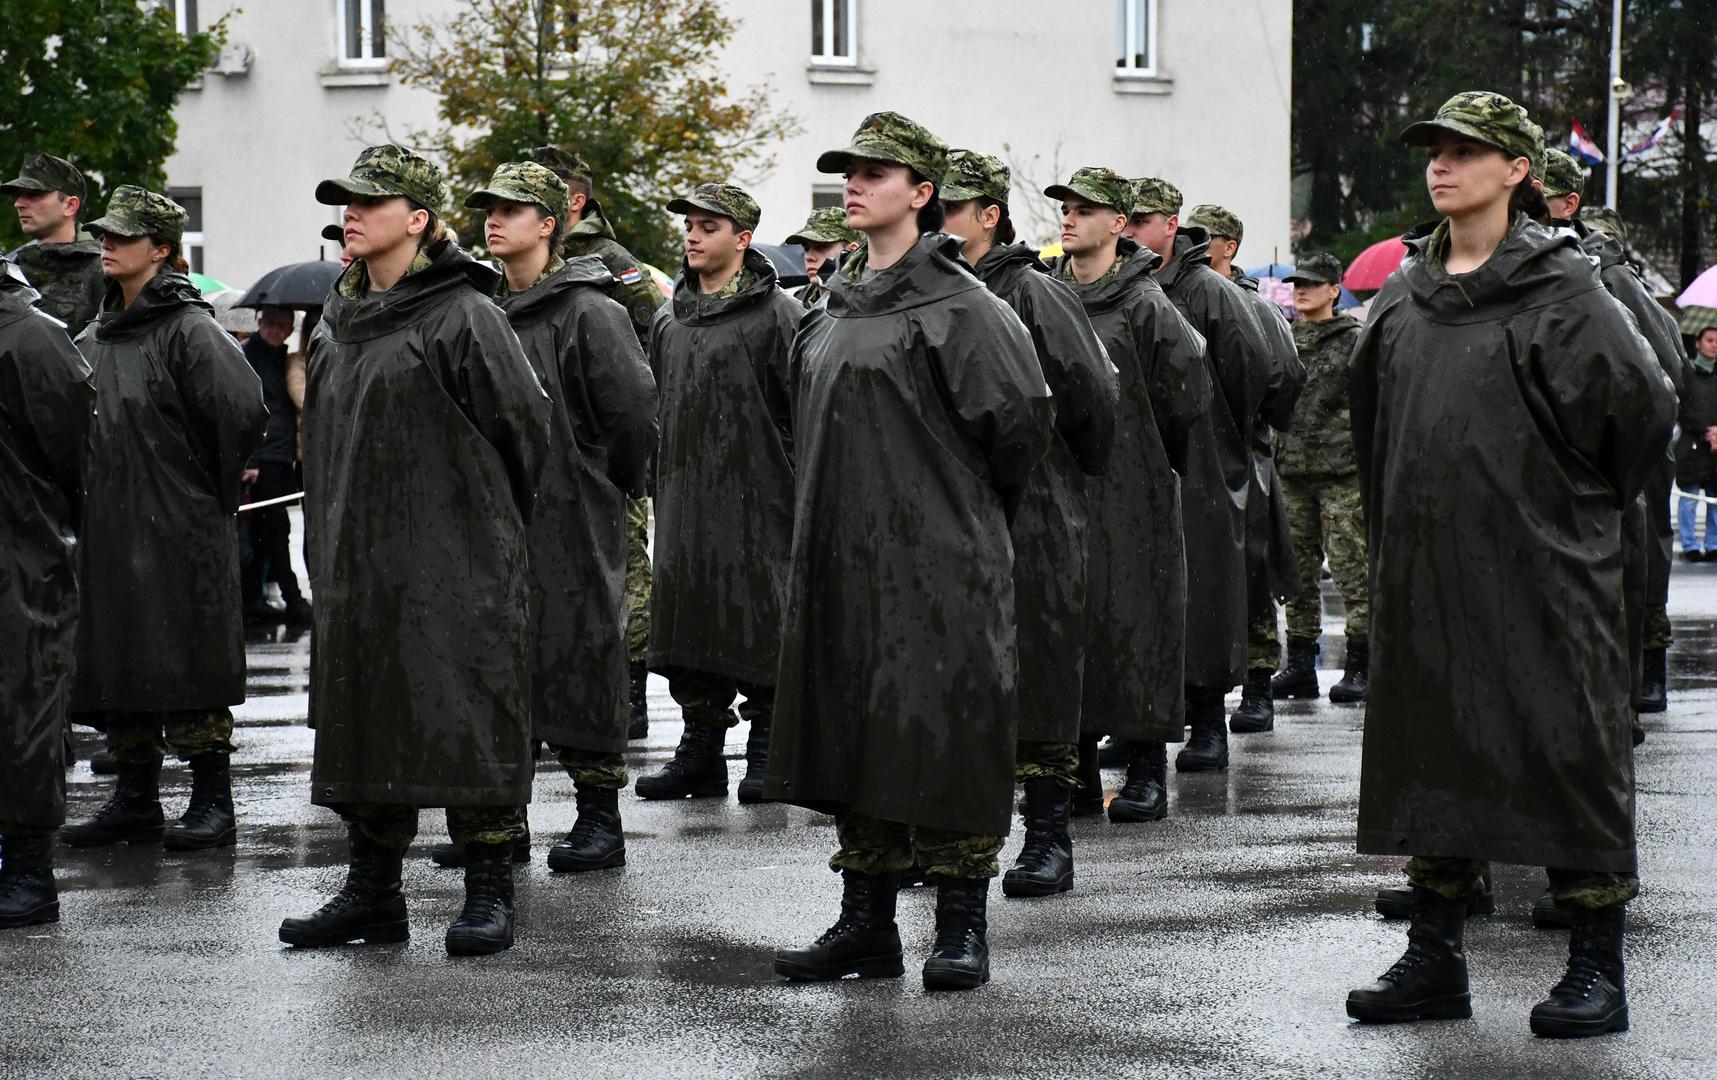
(294, 497)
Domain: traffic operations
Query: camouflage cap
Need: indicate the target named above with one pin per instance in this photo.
(523, 182)
(972, 175)
(826, 225)
(564, 164)
(1216, 221)
(45, 172)
(1153, 196)
(1489, 118)
(889, 136)
(334, 233)
(1605, 220)
(1095, 184)
(1562, 174)
(381, 171)
(134, 211)
(725, 199)
(1317, 268)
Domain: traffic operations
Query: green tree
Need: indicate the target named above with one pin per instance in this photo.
(94, 81)
(631, 85)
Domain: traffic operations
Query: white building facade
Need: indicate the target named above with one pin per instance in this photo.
(1193, 91)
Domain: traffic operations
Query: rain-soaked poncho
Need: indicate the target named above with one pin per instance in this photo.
(1502, 420)
(1270, 571)
(178, 412)
(1049, 528)
(1213, 502)
(602, 431)
(425, 431)
(1136, 611)
(46, 404)
(918, 413)
(724, 478)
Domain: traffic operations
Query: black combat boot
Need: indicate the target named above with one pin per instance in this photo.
(1299, 679)
(638, 717)
(101, 763)
(960, 959)
(596, 841)
(1547, 916)
(485, 926)
(452, 856)
(1356, 676)
(1114, 753)
(1145, 796)
(864, 941)
(1088, 796)
(208, 820)
(132, 813)
(27, 893)
(1397, 903)
(1045, 863)
(698, 771)
(1207, 750)
(1429, 982)
(1257, 711)
(369, 907)
(756, 760)
(1592, 998)
(1654, 681)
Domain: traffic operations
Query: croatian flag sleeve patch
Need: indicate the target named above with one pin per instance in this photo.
(631, 276)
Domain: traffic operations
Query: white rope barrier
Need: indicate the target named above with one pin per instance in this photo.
(294, 497)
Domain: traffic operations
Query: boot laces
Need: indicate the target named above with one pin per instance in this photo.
(1581, 978)
(1420, 940)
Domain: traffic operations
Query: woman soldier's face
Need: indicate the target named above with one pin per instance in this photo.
(1464, 174)
(374, 225)
(880, 194)
(125, 257)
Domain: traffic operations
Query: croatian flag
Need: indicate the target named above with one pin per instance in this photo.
(1657, 134)
(1581, 145)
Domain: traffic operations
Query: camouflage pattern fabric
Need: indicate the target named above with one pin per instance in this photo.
(707, 699)
(639, 589)
(1562, 174)
(1657, 632)
(523, 182)
(394, 826)
(637, 291)
(1047, 761)
(135, 211)
(1095, 184)
(1320, 442)
(728, 200)
(736, 284)
(69, 278)
(1316, 268)
(826, 225)
(1579, 890)
(43, 172)
(872, 846)
(565, 164)
(1217, 221)
(137, 738)
(354, 281)
(972, 175)
(1263, 641)
(889, 136)
(1154, 196)
(593, 769)
(1326, 518)
(381, 171)
(1489, 118)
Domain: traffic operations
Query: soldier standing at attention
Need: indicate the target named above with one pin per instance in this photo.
(61, 263)
(589, 233)
(1321, 484)
(825, 238)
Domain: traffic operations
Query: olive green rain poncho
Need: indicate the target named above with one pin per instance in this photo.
(1503, 419)
(918, 413)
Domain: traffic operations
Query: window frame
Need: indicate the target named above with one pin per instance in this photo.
(820, 57)
(343, 44)
(183, 19)
(193, 244)
(1126, 12)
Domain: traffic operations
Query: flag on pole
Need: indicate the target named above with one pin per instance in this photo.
(1657, 134)
(1581, 145)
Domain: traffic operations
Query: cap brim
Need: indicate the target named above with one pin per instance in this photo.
(956, 193)
(116, 227)
(23, 184)
(342, 192)
(806, 239)
(1425, 132)
(334, 233)
(839, 161)
(1307, 279)
(1062, 191)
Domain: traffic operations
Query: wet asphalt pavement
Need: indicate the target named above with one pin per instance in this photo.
(1219, 942)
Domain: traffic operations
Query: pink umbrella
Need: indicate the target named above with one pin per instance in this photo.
(1702, 293)
(1372, 267)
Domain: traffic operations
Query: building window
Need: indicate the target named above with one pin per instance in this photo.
(363, 33)
(828, 195)
(1136, 37)
(833, 40)
(192, 242)
(184, 15)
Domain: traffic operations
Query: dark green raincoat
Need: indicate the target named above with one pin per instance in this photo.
(724, 477)
(918, 413)
(1270, 571)
(1049, 528)
(1135, 620)
(425, 431)
(178, 412)
(1503, 419)
(46, 405)
(1214, 492)
(602, 432)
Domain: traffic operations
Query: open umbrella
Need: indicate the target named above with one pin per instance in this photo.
(233, 319)
(296, 285)
(1372, 267)
(1698, 303)
(788, 260)
(207, 285)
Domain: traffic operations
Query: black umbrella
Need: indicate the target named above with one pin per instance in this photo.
(300, 285)
(788, 260)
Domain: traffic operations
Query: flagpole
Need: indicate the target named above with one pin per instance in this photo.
(1612, 163)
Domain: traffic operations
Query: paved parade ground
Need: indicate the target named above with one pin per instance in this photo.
(1221, 942)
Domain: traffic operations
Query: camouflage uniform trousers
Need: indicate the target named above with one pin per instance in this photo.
(638, 589)
(706, 698)
(1463, 879)
(592, 768)
(1263, 642)
(1325, 518)
(1657, 634)
(137, 738)
(1047, 761)
(872, 846)
(393, 826)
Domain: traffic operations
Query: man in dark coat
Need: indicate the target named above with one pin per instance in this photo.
(272, 473)
(61, 263)
(724, 493)
(1136, 610)
(46, 405)
(1049, 527)
(1213, 511)
(160, 634)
